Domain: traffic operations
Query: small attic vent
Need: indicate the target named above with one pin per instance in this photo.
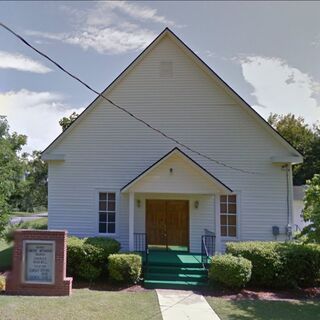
(166, 69)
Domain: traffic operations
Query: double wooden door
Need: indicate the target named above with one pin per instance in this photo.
(167, 222)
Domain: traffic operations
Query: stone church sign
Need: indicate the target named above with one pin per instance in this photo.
(39, 264)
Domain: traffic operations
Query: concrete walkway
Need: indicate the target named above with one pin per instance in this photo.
(16, 220)
(181, 305)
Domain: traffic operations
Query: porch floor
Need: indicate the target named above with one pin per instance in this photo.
(173, 258)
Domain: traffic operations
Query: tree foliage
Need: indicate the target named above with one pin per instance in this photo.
(23, 177)
(65, 122)
(11, 167)
(311, 211)
(32, 189)
(305, 139)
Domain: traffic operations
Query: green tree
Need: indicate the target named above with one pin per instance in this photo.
(305, 139)
(32, 190)
(65, 122)
(11, 167)
(311, 211)
(38, 179)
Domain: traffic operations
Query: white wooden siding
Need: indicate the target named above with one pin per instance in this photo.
(107, 149)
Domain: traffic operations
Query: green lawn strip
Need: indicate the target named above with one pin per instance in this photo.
(262, 309)
(41, 223)
(5, 255)
(83, 304)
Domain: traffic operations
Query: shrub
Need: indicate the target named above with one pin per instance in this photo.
(108, 245)
(279, 264)
(2, 283)
(125, 267)
(301, 264)
(88, 271)
(266, 261)
(233, 272)
(8, 233)
(75, 254)
(87, 258)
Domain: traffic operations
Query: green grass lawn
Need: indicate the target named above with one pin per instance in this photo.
(265, 310)
(83, 304)
(41, 223)
(5, 255)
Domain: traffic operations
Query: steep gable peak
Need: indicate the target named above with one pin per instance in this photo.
(167, 33)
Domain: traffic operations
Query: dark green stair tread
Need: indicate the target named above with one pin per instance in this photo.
(164, 269)
(171, 284)
(175, 264)
(177, 276)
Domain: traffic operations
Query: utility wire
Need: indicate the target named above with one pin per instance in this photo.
(122, 108)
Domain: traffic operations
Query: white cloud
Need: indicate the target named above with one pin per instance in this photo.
(35, 114)
(209, 53)
(105, 13)
(281, 88)
(22, 63)
(109, 40)
(46, 35)
(108, 27)
(137, 11)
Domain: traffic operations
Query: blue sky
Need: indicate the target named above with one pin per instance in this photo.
(267, 51)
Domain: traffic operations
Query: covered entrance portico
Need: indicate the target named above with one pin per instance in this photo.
(173, 203)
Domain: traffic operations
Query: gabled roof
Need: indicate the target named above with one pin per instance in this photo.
(193, 163)
(168, 33)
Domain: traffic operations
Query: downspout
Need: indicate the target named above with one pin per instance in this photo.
(288, 182)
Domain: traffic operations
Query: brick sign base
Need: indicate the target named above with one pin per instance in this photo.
(57, 284)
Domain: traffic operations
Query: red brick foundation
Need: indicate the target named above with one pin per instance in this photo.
(62, 285)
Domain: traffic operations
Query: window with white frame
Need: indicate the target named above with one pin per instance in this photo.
(228, 215)
(107, 212)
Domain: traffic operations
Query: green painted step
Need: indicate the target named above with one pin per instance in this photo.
(175, 264)
(175, 276)
(170, 269)
(174, 270)
(171, 284)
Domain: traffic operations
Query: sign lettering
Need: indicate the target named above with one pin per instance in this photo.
(39, 260)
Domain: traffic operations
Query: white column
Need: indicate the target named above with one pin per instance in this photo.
(131, 221)
(218, 229)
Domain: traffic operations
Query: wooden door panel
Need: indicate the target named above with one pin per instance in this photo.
(177, 222)
(156, 222)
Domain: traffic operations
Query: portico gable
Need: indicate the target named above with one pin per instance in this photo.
(176, 174)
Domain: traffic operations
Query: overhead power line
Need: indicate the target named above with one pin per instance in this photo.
(145, 123)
